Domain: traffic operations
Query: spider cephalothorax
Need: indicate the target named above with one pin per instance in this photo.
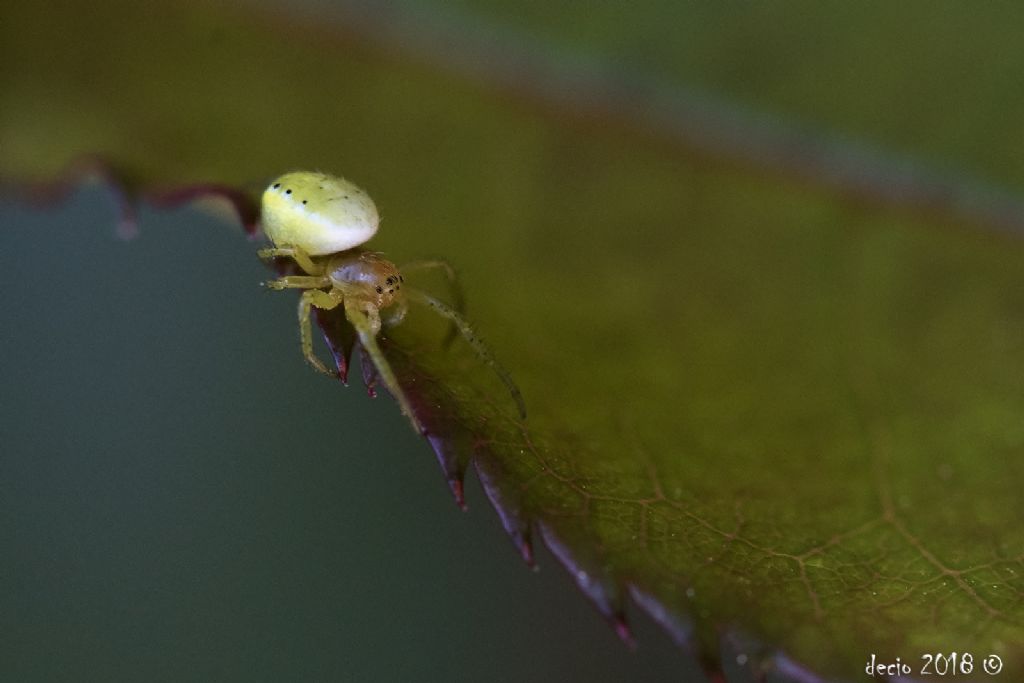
(320, 221)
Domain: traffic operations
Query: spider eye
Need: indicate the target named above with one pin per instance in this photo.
(333, 214)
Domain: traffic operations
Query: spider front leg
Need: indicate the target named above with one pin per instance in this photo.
(396, 314)
(458, 299)
(366, 319)
(320, 299)
(478, 345)
(454, 286)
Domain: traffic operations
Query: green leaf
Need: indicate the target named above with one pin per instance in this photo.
(754, 407)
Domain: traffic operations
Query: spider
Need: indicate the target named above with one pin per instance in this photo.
(319, 221)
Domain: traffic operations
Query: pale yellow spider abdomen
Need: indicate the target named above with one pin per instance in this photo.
(317, 213)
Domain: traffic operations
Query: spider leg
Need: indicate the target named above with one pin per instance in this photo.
(478, 345)
(298, 282)
(320, 299)
(304, 260)
(397, 313)
(454, 286)
(366, 320)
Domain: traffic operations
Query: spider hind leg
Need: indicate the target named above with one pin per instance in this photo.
(298, 282)
(454, 287)
(304, 260)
